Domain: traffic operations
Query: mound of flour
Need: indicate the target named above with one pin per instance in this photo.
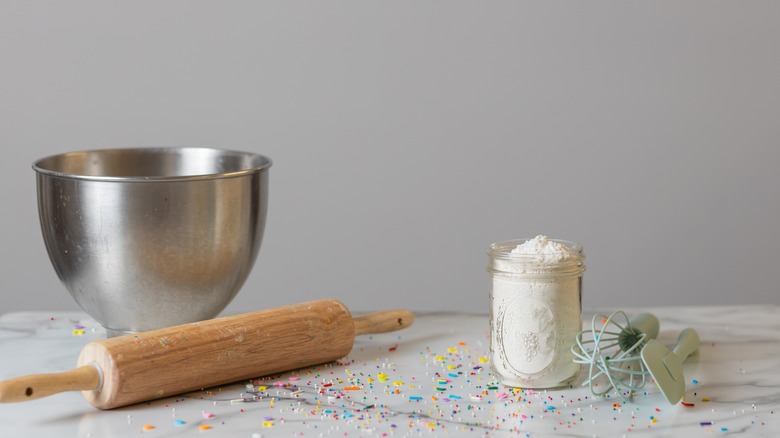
(544, 249)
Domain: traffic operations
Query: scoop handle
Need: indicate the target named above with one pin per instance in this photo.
(37, 386)
(687, 343)
(646, 323)
(383, 322)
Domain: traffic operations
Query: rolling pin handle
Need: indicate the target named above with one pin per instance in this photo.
(19, 389)
(383, 322)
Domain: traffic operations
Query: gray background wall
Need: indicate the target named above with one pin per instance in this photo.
(407, 136)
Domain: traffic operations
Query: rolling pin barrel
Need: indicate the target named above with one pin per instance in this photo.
(189, 357)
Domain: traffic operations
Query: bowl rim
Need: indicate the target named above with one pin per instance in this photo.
(265, 164)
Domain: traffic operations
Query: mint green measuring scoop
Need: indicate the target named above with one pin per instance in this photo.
(666, 366)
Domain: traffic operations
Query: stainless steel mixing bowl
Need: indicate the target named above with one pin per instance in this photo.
(152, 237)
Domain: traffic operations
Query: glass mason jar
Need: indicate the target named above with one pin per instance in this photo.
(535, 315)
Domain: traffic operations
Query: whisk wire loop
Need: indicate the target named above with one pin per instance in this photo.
(612, 354)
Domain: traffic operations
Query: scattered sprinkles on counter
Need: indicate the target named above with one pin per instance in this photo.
(456, 393)
(78, 330)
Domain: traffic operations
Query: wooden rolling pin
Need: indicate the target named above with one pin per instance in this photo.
(160, 363)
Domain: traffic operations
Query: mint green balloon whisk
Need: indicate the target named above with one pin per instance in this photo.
(612, 352)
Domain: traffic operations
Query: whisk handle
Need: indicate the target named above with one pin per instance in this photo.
(646, 323)
(687, 343)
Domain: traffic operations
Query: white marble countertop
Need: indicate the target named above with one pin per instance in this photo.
(732, 383)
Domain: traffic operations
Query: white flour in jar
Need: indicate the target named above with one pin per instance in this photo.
(544, 249)
(536, 313)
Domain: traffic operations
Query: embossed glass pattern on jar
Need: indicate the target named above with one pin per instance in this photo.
(535, 314)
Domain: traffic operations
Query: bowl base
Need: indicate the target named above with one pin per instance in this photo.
(111, 333)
